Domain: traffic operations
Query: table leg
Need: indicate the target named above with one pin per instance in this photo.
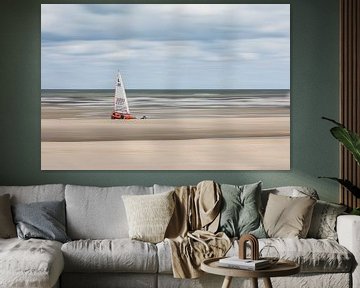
(254, 282)
(267, 283)
(227, 282)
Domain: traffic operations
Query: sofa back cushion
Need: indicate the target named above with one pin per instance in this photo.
(163, 188)
(7, 227)
(98, 212)
(36, 193)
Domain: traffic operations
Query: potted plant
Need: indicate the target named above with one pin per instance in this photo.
(351, 141)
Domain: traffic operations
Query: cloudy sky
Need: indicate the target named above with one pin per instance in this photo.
(165, 46)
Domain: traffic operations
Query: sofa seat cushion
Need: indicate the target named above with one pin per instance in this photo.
(313, 255)
(115, 255)
(30, 263)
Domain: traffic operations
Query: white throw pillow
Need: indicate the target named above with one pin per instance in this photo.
(149, 215)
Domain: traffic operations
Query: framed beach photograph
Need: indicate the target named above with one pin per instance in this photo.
(165, 86)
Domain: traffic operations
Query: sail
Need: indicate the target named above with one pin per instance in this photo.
(120, 104)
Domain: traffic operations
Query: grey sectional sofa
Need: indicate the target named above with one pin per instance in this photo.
(101, 255)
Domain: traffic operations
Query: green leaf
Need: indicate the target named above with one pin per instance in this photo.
(348, 138)
(347, 184)
(333, 121)
(355, 211)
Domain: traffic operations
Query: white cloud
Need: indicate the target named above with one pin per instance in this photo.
(233, 41)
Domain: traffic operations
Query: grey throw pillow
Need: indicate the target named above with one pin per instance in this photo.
(240, 213)
(44, 220)
(323, 222)
(7, 227)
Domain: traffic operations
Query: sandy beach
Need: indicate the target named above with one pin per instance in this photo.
(244, 143)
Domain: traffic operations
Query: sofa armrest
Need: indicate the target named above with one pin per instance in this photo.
(348, 230)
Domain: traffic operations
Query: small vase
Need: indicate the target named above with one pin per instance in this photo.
(270, 253)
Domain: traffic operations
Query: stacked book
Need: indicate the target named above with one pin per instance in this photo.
(248, 264)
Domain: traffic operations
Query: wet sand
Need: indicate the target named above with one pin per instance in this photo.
(247, 143)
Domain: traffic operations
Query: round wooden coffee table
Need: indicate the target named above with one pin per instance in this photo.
(281, 268)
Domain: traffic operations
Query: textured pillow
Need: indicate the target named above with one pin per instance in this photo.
(44, 220)
(240, 210)
(288, 217)
(323, 222)
(7, 227)
(149, 215)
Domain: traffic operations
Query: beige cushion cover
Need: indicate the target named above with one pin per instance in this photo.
(149, 215)
(287, 217)
(7, 226)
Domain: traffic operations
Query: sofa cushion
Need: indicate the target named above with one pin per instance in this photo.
(164, 257)
(109, 280)
(98, 213)
(313, 255)
(291, 191)
(149, 215)
(43, 220)
(240, 210)
(7, 227)
(323, 222)
(36, 193)
(163, 188)
(117, 255)
(287, 216)
(30, 263)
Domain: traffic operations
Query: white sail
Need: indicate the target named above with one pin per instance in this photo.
(120, 103)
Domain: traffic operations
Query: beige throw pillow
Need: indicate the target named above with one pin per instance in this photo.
(7, 226)
(288, 217)
(148, 215)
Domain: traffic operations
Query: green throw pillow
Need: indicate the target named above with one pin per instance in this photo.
(240, 213)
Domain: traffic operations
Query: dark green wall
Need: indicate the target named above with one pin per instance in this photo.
(314, 93)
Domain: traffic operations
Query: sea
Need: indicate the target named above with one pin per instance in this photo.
(170, 103)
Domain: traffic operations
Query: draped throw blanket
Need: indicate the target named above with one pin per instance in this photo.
(191, 231)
